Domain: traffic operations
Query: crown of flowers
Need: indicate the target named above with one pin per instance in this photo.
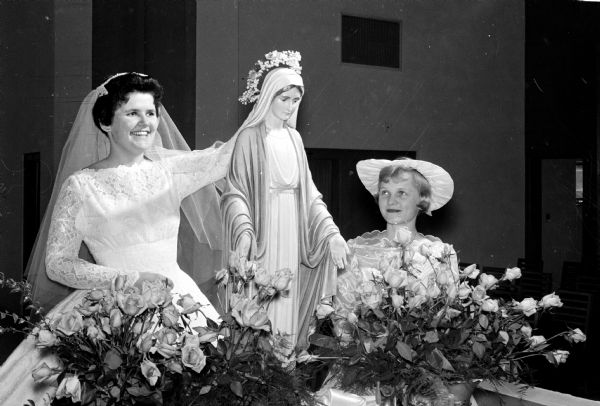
(273, 59)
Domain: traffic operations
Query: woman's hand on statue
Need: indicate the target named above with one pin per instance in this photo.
(151, 277)
(339, 251)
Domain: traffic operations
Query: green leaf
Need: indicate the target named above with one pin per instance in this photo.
(112, 359)
(324, 341)
(404, 350)
(484, 322)
(205, 389)
(437, 360)
(236, 387)
(479, 349)
(139, 391)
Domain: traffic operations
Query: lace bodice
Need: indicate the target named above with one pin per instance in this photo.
(128, 217)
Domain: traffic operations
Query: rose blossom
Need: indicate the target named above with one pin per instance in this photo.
(249, 314)
(45, 338)
(478, 293)
(96, 294)
(487, 280)
(528, 306)
(282, 279)
(132, 304)
(150, 371)
(576, 336)
(145, 342)
(262, 277)
(370, 294)
(88, 306)
(537, 340)
(397, 300)
(402, 236)
(116, 319)
(512, 274)
(352, 317)
(464, 290)
(526, 330)
(396, 278)
(47, 373)
(193, 357)
(69, 322)
(170, 315)
(166, 342)
(416, 301)
(471, 271)
(433, 290)
(560, 356)
(324, 310)
(155, 293)
(447, 313)
(550, 300)
(188, 304)
(344, 331)
(490, 305)
(69, 387)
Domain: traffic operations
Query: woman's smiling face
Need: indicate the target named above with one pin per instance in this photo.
(134, 124)
(398, 199)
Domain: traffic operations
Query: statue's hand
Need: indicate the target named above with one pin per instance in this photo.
(243, 247)
(339, 251)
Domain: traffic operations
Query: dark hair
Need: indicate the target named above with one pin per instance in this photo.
(421, 183)
(289, 87)
(119, 89)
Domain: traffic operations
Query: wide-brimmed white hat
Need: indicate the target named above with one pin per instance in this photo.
(442, 185)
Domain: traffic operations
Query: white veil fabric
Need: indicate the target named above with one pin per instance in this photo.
(200, 232)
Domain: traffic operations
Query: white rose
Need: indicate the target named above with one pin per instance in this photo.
(479, 293)
(537, 340)
(576, 336)
(487, 281)
(464, 290)
(528, 306)
(526, 330)
(69, 387)
(560, 356)
(512, 274)
(471, 271)
(324, 310)
(489, 305)
(403, 236)
(550, 300)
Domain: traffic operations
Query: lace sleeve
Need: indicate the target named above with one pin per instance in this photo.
(64, 240)
(196, 169)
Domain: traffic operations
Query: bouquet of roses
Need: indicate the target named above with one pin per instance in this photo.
(130, 346)
(419, 324)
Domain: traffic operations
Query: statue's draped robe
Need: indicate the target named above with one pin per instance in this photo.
(245, 207)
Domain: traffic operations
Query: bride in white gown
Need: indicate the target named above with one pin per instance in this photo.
(125, 207)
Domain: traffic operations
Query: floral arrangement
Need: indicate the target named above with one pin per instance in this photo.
(130, 346)
(273, 59)
(417, 325)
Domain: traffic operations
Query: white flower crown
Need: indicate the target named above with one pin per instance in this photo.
(273, 59)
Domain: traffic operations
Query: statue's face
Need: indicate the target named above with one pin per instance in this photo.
(398, 200)
(285, 104)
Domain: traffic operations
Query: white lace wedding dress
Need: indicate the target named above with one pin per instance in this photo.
(128, 217)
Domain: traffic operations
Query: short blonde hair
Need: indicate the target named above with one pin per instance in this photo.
(420, 182)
